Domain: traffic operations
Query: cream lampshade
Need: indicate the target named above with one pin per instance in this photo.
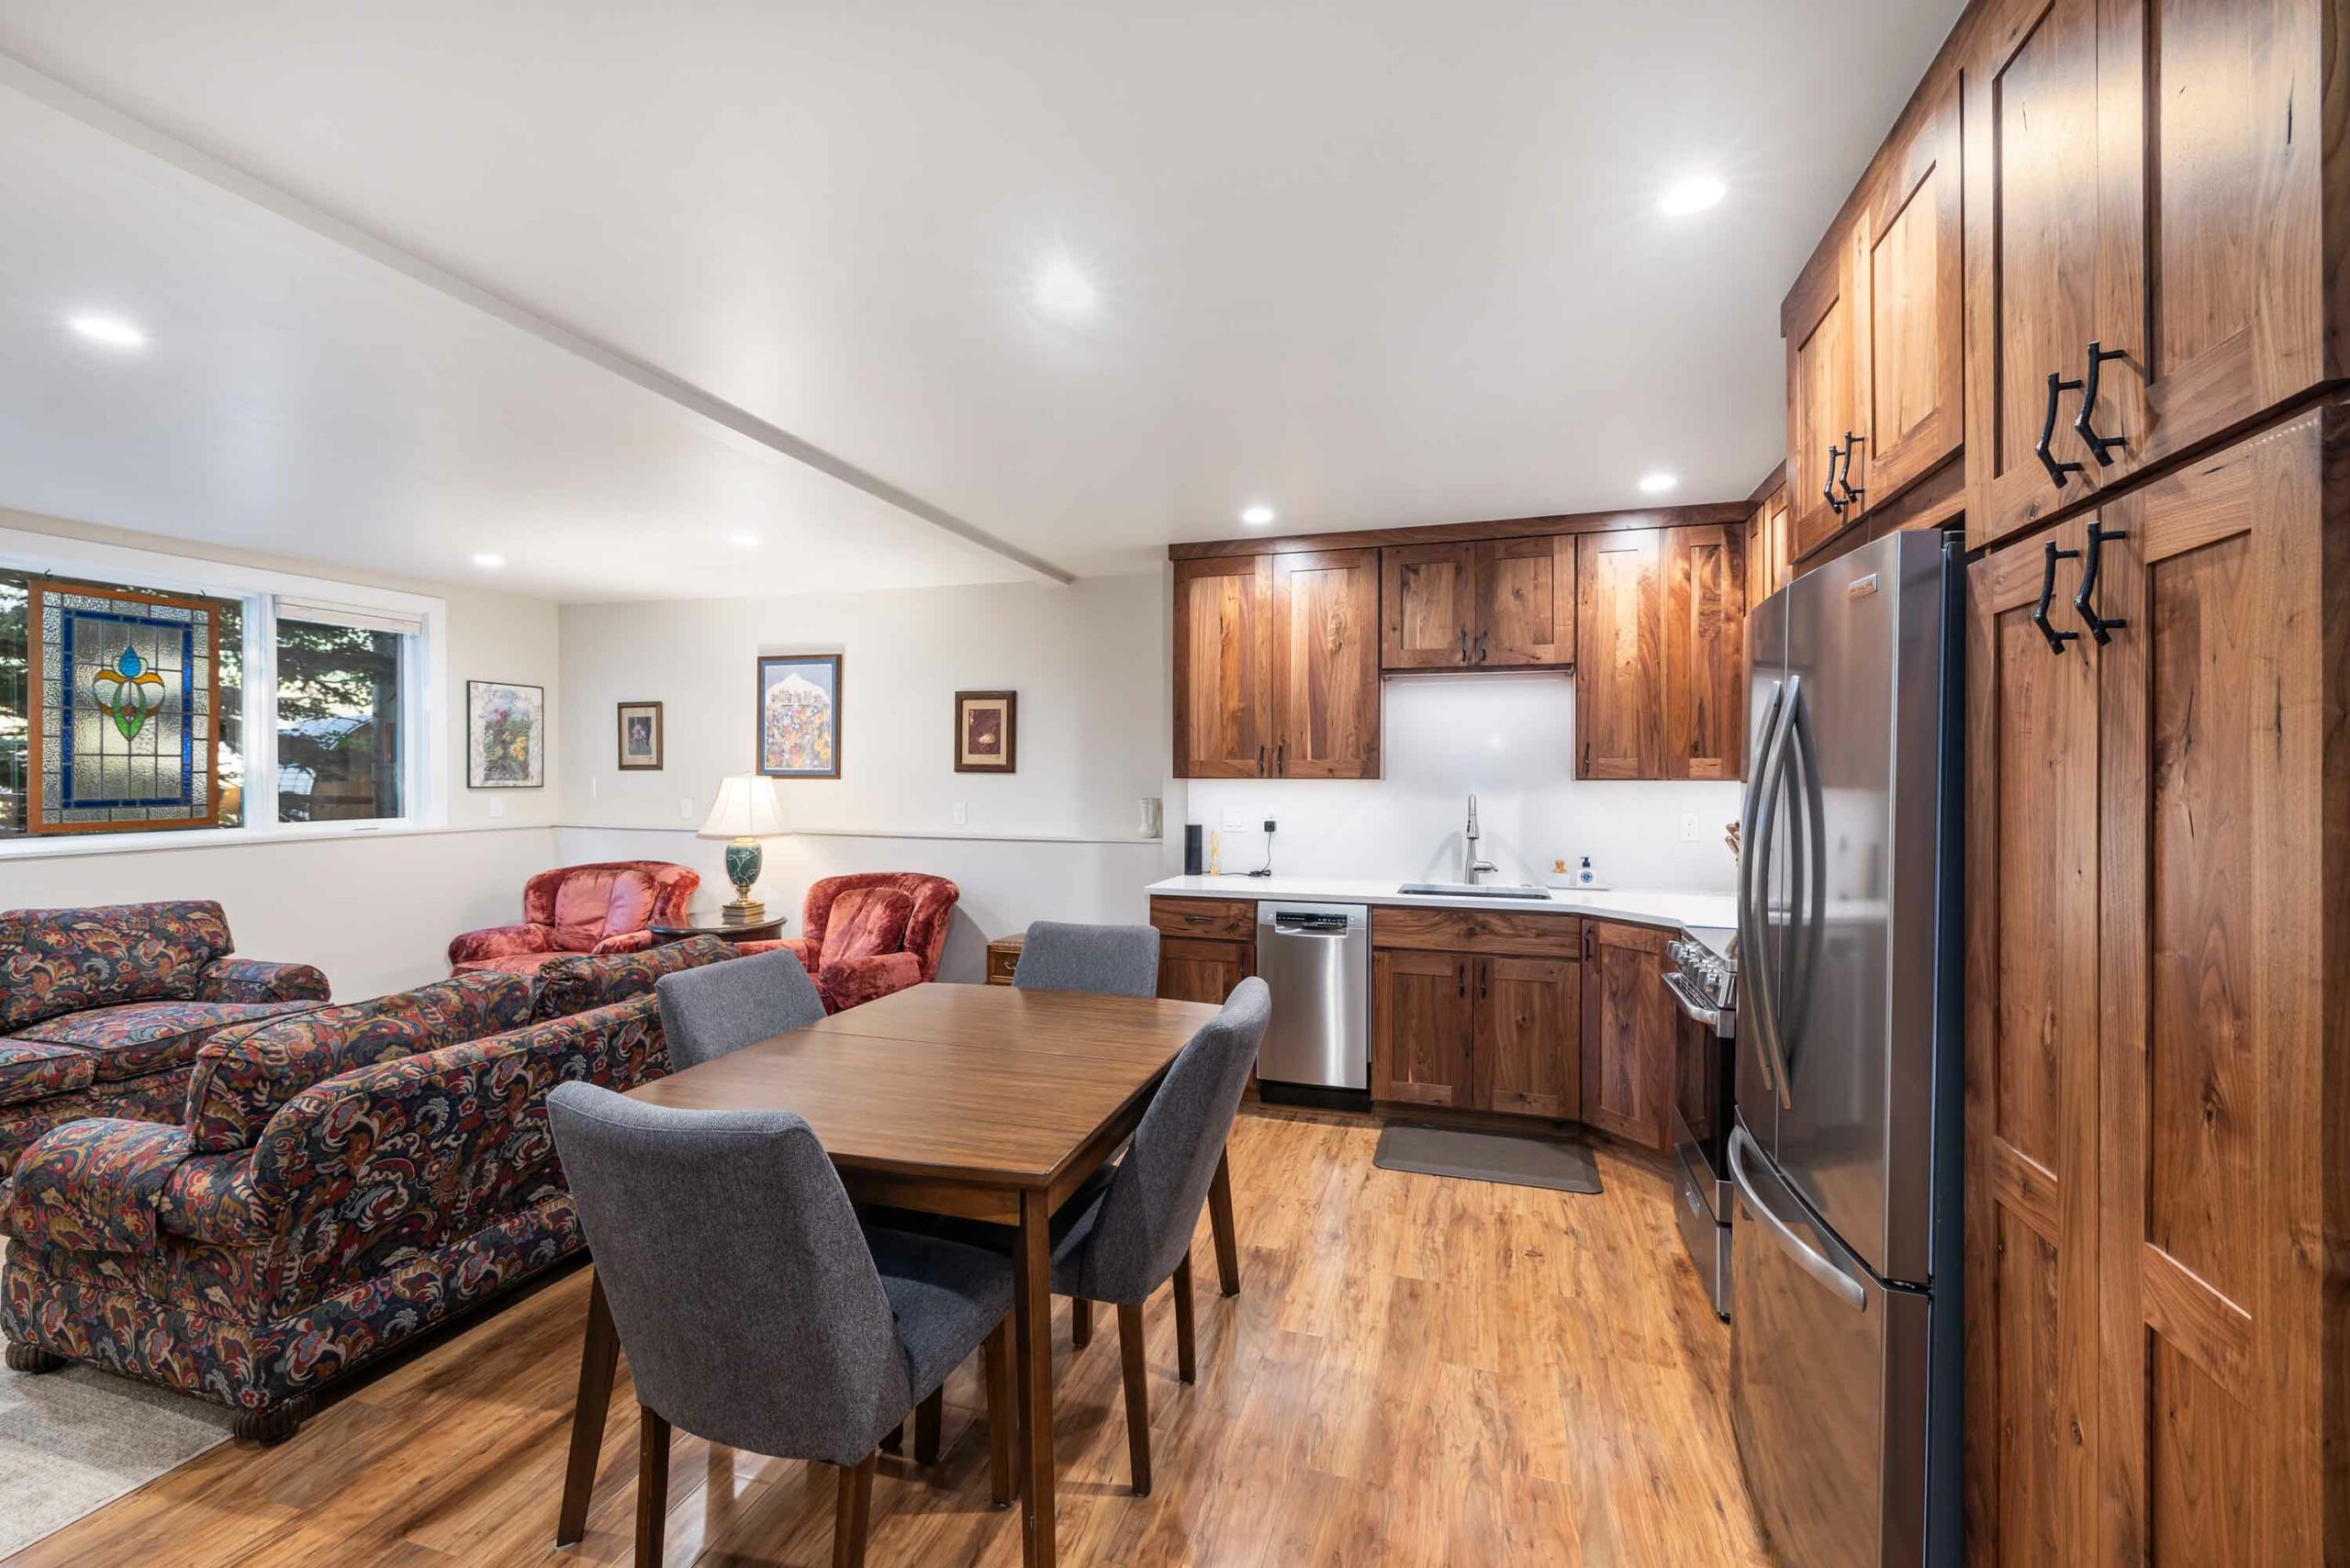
(745, 812)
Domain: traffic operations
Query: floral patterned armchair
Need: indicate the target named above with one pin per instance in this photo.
(868, 935)
(600, 908)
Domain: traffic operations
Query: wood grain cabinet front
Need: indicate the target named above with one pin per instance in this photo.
(1485, 604)
(1477, 1026)
(1326, 664)
(1224, 667)
(1630, 1030)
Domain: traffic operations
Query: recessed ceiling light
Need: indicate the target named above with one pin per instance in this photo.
(1063, 290)
(1657, 484)
(490, 559)
(743, 541)
(111, 330)
(1693, 195)
(1257, 516)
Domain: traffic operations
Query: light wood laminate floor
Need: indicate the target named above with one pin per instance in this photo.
(1417, 1371)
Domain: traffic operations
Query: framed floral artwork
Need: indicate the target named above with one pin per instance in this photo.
(799, 715)
(640, 737)
(505, 736)
(987, 732)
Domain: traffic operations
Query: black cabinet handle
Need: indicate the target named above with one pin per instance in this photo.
(1829, 489)
(2084, 601)
(1586, 759)
(2056, 640)
(1461, 979)
(2086, 428)
(1586, 941)
(1851, 495)
(2056, 471)
(1484, 974)
(1481, 647)
(1281, 758)
(1464, 644)
(1260, 762)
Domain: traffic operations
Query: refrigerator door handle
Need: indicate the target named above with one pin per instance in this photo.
(1809, 1258)
(1764, 992)
(1809, 908)
(1754, 871)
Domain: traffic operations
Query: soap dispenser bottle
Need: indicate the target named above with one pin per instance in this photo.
(1585, 875)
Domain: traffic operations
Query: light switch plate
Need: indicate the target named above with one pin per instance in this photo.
(962, 815)
(1238, 821)
(497, 807)
(685, 807)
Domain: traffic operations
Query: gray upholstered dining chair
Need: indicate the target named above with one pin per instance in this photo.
(1123, 1236)
(711, 1010)
(1113, 961)
(755, 1310)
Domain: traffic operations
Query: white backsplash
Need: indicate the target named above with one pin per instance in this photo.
(1510, 739)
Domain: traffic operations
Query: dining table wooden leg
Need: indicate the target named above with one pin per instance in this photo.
(1032, 1321)
(598, 1362)
(1227, 1240)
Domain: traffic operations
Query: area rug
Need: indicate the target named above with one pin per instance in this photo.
(71, 1441)
(1487, 1156)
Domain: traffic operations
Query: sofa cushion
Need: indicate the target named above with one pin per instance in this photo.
(61, 960)
(132, 1039)
(593, 904)
(510, 964)
(865, 922)
(576, 982)
(33, 1070)
(243, 1075)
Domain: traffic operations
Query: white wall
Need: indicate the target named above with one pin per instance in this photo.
(1059, 838)
(374, 911)
(1509, 739)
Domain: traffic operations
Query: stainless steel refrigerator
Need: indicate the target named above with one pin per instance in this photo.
(1845, 1271)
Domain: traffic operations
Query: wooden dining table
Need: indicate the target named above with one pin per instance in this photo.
(986, 1102)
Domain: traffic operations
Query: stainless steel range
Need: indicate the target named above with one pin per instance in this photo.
(1703, 979)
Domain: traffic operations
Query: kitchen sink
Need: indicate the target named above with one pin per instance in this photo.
(1477, 890)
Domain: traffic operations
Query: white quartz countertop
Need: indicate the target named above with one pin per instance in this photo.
(1640, 905)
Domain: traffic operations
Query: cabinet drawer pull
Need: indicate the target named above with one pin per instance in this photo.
(1851, 495)
(2086, 427)
(2084, 601)
(2056, 640)
(2057, 472)
(1829, 489)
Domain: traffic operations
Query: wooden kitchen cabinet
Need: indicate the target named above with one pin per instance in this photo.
(1488, 604)
(1523, 1035)
(1326, 664)
(1910, 263)
(1477, 1009)
(1224, 667)
(2155, 1071)
(1704, 651)
(1422, 1024)
(1629, 1028)
(1767, 569)
(1822, 413)
(1619, 658)
(1205, 946)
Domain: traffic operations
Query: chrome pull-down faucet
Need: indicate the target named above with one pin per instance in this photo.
(1472, 868)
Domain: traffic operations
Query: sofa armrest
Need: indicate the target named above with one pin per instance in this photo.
(853, 982)
(799, 947)
(93, 1185)
(626, 941)
(499, 942)
(256, 980)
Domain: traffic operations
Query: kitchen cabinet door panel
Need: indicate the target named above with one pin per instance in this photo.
(1421, 1028)
(1818, 324)
(1326, 664)
(1524, 602)
(1629, 1028)
(1224, 675)
(1528, 1017)
(1193, 969)
(1911, 356)
(2031, 139)
(1619, 659)
(1704, 653)
(1430, 594)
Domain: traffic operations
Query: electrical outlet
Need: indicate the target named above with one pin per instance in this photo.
(962, 815)
(497, 807)
(1688, 827)
(1238, 821)
(685, 807)
(595, 786)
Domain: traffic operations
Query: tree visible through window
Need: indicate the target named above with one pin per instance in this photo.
(337, 723)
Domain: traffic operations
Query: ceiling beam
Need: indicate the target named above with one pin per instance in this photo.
(581, 344)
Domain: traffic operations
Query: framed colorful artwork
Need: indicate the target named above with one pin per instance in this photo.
(640, 737)
(126, 735)
(505, 736)
(799, 715)
(987, 732)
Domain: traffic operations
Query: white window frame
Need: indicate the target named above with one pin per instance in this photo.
(424, 699)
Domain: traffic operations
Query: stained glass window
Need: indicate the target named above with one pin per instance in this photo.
(127, 704)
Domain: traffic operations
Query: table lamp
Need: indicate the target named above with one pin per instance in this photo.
(745, 812)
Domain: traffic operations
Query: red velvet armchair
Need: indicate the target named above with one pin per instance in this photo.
(868, 935)
(602, 908)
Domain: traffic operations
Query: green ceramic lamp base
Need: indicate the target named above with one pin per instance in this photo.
(743, 857)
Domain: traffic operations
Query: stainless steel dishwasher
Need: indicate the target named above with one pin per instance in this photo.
(1316, 960)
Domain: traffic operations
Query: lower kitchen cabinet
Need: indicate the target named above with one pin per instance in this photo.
(1490, 1021)
(1205, 946)
(1522, 1051)
(1630, 1026)
(1423, 1028)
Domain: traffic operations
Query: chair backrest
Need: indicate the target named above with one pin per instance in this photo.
(742, 1286)
(932, 912)
(583, 904)
(1146, 1218)
(579, 982)
(708, 1012)
(1114, 960)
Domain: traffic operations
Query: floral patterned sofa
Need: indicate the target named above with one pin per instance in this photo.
(867, 935)
(104, 1009)
(340, 1182)
(600, 908)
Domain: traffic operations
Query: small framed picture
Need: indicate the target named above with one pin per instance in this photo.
(987, 732)
(640, 737)
(505, 736)
(799, 715)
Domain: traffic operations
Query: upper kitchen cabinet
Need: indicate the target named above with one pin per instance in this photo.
(1326, 664)
(1620, 663)
(1767, 546)
(2147, 253)
(1704, 651)
(1909, 354)
(1821, 414)
(1224, 667)
(1493, 604)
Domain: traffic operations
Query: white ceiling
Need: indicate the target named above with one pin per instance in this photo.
(1372, 264)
